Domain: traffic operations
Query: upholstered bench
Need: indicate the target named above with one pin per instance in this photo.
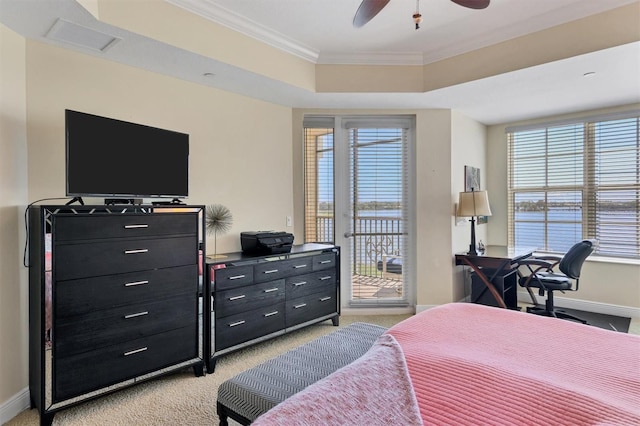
(253, 392)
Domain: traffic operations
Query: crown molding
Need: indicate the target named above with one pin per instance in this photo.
(253, 29)
(371, 58)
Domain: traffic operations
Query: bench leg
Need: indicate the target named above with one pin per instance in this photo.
(222, 415)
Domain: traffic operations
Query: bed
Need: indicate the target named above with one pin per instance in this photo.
(467, 364)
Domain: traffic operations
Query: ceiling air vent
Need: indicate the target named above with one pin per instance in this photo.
(68, 32)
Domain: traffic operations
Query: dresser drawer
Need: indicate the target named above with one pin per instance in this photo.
(120, 256)
(232, 277)
(310, 307)
(273, 270)
(240, 328)
(269, 271)
(85, 295)
(99, 329)
(310, 283)
(324, 261)
(247, 298)
(296, 266)
(87, 227)
(89, 371)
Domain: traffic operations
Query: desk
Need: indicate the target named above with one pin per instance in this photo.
(492, 266)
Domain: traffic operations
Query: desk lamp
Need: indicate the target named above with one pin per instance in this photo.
(472, 204)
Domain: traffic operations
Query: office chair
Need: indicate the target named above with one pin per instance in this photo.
(543, 277)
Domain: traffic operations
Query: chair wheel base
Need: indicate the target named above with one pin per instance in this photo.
(555, 314)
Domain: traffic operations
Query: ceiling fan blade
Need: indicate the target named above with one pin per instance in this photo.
(473, 4)
(367, 10)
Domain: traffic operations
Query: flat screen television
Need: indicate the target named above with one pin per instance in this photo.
(114, 158)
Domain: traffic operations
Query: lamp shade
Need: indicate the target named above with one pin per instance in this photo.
(473, 203)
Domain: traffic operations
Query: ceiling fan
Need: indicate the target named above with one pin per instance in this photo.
(370, 8)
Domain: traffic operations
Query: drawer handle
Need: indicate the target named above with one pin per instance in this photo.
(131, 284)
(270, 271)
(234, 324)
(135, 351)
(299, 266)
(136, 226)
(328, 277)
(139, 314)
(237, 297)
(270, 314)
(270, 290)
(324, 299)
(324, 262)
(237, 277)
(300, 283)
(136, 251)
(302, 305)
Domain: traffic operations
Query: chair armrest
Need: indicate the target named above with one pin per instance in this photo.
(548, 257)
(535, 265)
(555, 259)
(538, 262)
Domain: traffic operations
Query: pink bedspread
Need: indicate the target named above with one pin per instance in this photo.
(475, 365)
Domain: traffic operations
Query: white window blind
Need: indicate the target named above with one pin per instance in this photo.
(319, 181)
(571, 181)
(378, 189)
(378, 175)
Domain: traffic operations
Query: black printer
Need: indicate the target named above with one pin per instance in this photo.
(266, 242)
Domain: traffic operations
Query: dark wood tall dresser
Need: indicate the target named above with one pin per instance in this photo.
(114, 299)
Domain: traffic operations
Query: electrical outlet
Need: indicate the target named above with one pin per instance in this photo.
(289, 221)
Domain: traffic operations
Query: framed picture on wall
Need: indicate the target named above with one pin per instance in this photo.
(472, 183)
(471, 178)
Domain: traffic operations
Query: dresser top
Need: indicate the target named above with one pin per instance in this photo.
(235, 257)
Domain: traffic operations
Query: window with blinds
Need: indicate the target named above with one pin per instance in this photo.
(319, 224)
(575, 180)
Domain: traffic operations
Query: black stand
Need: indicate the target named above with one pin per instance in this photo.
(175, 201)
(125, 201)
(74, 199)
(472, 246)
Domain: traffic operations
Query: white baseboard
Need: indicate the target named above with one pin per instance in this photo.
(561, 302)
(420, 308)
(586, 305)
(14, 406)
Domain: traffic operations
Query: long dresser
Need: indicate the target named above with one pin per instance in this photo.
(114, 298)
(255, 298)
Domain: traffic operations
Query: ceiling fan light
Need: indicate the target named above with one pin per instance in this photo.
(417, 19)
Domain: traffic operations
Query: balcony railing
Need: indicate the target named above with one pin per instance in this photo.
(376, 240)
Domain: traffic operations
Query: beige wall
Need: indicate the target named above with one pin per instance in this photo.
(13, 199)
(240, 148)
(433, 207)
(468, 147)
(240, 156)
(614, 283)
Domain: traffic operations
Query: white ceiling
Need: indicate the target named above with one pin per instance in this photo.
(321, 31)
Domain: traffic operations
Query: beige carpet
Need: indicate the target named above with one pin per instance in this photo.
(182, 398)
